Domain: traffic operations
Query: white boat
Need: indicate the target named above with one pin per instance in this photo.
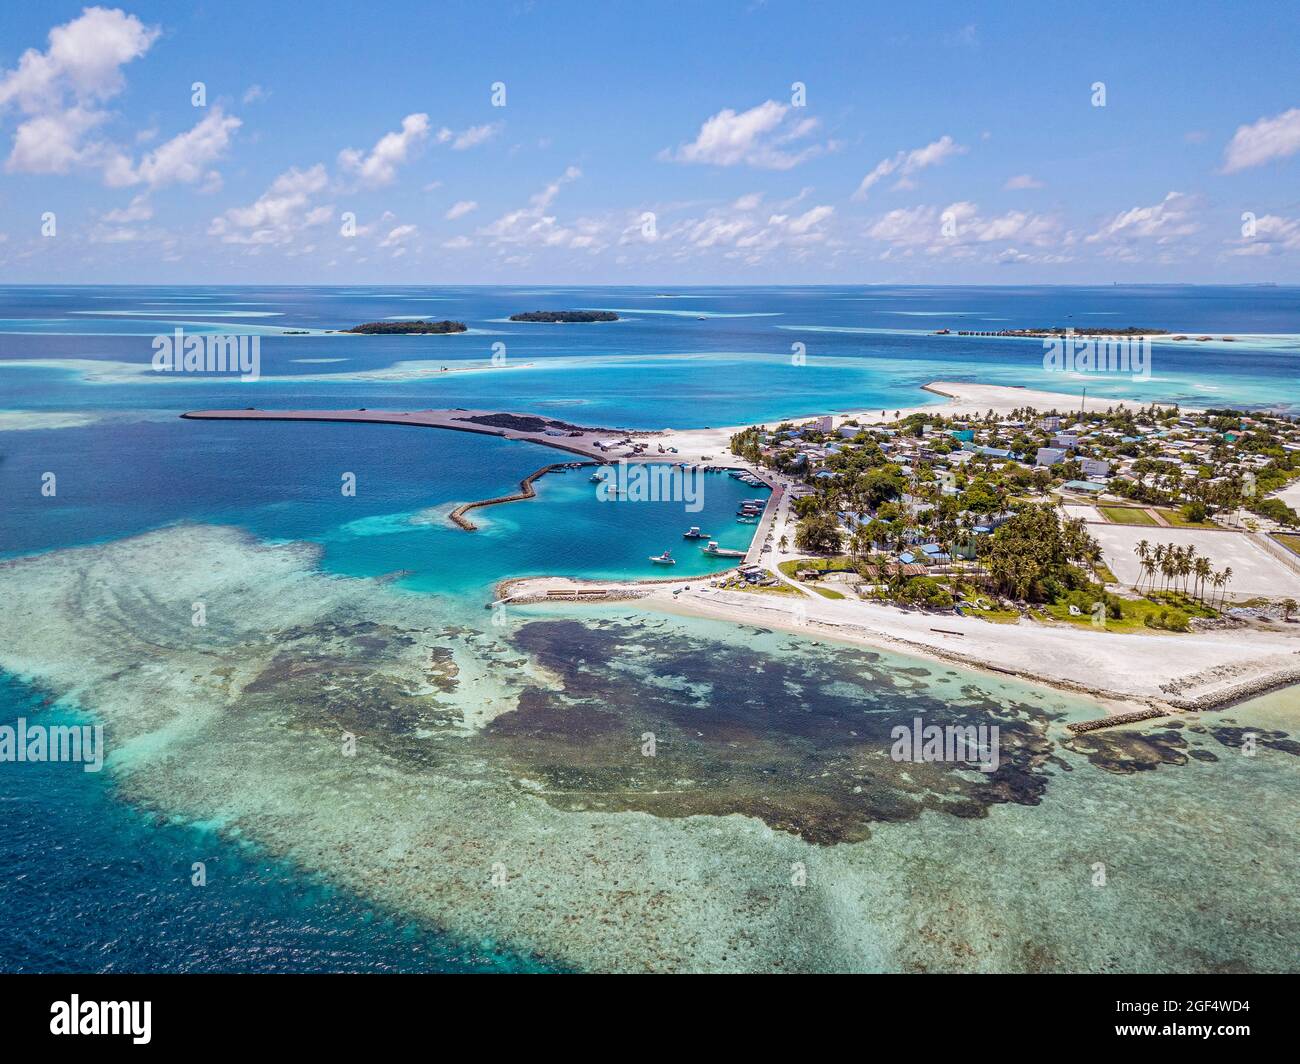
(694, 533)
(666, 558)
(714, 551)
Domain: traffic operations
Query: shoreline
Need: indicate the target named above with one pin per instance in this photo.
(877, 626)
(1124, 672)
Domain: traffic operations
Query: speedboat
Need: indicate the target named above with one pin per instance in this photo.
(695, 533)
(747, 519)
(666, 558)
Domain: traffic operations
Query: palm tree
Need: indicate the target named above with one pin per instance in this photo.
(1184, 564)
(1202, 574)
(1143, 551)
(1227, 578)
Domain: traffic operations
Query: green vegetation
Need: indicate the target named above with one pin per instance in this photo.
(1127, 515)
(566, 316)
(841, 563)
(1036, 556)
(1103, 573)
(1289, 540)
(1185, 517)
(819, 534)
(408, 328)
(829, 593)
(1179, 568)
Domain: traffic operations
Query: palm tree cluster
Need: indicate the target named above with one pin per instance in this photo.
(1180, 567)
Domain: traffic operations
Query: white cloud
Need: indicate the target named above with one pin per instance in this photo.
(906, 163)
(474, 136)
(740, 231)
(84, 60)
(533, 225)
(279, 214)
(1264, 141)
(60, 90)
(390, 151)
(254, 94)
(1273, 236)
(960, 231)
(1022, 181)
(458, 243)
(1162, 222)
(186, 157)
(139, 210)
(398, 235)
(757, 137)
(460, 209)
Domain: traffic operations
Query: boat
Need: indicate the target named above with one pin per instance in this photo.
(694, 533)
(747, 519)
(714, 551)
(596, 478)
(666, 558)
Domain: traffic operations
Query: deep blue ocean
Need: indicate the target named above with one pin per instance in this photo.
(73, 857)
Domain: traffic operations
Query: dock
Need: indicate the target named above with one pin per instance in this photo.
(765, 522)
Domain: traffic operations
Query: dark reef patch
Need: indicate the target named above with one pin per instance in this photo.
(1126, 751)
(729, 735)
(1273, 740)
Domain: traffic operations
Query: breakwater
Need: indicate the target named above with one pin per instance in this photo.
(525, 491)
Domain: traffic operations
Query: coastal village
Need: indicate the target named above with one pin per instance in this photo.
(884, 508)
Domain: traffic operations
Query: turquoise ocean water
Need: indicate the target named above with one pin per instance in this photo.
(80, 853)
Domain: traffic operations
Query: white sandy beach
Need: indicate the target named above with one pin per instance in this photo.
(963, 398)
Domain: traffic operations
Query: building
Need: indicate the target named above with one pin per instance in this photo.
(1049, 456)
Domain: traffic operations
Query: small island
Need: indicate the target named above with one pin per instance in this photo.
(566, 316)
(1061, 330)
(408, 328)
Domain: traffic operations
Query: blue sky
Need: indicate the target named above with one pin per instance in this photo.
(649, 143)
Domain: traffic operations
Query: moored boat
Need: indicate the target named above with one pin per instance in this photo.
(666, 558)
(714, 551)
(694, 533)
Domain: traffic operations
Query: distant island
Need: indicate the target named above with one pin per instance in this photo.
(1059, 330)
(566, 315)
(408, 328)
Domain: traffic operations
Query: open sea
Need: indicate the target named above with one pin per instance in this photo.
(498, 814)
